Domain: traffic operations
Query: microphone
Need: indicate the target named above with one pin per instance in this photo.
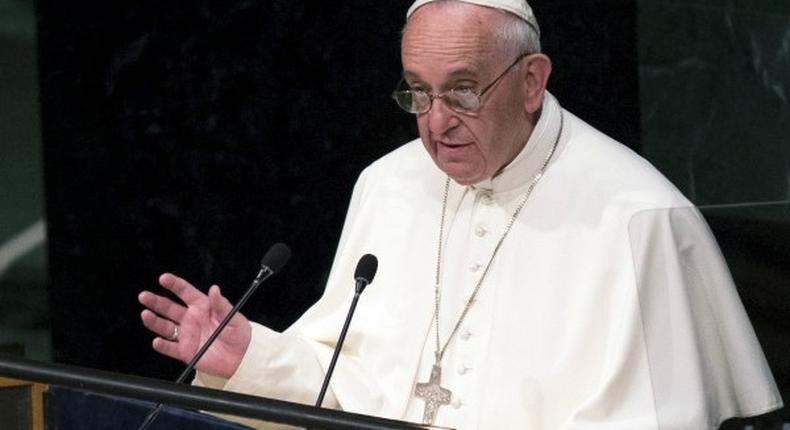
(363, 276)
(271, 263)
(365, 271)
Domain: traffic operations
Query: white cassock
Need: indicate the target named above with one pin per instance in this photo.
(607, 307)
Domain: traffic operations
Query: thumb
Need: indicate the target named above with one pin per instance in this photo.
(220, 306)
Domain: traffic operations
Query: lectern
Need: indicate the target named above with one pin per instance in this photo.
(63, 380)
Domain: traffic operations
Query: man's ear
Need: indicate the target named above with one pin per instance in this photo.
(536, 76)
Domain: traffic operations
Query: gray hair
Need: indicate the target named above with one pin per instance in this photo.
(517, 35)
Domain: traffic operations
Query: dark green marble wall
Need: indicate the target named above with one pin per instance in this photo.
(714, 79)
(714, 93)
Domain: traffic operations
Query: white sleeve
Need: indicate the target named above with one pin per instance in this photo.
(276, 366)
(692, 344)
(290, 366)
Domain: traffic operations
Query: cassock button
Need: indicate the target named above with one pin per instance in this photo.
(466, 334)
(463, 369)
(480, 231)
(474, 267)
(457, 404)
(486, 199)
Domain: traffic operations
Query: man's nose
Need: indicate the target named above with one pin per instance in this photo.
(440, 117)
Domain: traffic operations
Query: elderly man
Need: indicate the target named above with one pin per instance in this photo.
(533, 272)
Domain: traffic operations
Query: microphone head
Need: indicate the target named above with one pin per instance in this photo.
(366, 270)
(276, 257)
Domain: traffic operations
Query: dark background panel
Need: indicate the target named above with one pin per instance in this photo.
(593, 47)
(714, 78)
(190, 136)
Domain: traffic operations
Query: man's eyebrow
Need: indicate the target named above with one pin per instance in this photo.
(410, 75)
(463, 72)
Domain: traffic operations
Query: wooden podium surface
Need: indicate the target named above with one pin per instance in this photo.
(22, 404)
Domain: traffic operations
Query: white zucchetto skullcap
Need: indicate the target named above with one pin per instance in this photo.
(519, 8)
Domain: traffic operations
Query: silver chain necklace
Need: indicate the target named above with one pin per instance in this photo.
(432, 393)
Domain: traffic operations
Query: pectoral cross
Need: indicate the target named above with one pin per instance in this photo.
(433, 395)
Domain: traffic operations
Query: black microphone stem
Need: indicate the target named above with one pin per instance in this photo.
(338, 348)
(263, 274)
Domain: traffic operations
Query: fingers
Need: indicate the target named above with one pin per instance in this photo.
(168, 348)
(162, 306)
(181, 288)
(163, 327)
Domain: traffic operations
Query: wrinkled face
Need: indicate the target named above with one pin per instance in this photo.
(450, 47)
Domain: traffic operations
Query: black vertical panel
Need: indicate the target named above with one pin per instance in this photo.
(593, 45)
(190, 136)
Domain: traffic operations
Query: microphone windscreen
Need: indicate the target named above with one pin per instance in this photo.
(366, 268)
(276, 257)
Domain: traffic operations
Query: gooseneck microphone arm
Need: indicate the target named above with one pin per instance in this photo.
(272, 262)
(363, 275)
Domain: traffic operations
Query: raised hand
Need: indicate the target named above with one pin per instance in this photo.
(183, 327)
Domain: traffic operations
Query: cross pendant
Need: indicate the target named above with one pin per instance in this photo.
(433, 395)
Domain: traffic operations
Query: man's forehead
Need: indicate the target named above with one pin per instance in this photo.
(442, 73)
(460, 40)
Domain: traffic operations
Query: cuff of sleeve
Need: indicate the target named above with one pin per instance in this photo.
(252, 361)
(260, 352)
(206, 380)
(278, 366)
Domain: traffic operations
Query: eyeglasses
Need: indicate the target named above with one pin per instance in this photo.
(462, 100)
